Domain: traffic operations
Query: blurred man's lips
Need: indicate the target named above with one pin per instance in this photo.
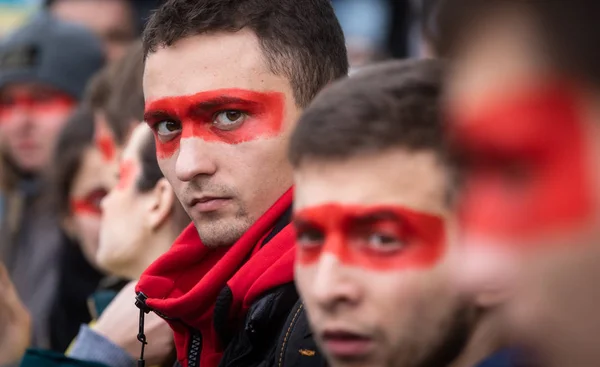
(27, 145)
(208, 203)
(346, 344)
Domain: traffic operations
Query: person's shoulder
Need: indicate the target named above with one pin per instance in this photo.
(296, 345)
(275, 333)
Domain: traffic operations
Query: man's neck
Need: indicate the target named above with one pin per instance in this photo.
(484, 342)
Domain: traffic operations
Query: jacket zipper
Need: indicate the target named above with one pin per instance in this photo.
(195, 349)
(195, 341)
(140, 302)
(288, 333)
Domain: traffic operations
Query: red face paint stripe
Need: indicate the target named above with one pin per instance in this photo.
(54, 104)
(84, 207)
(127, 171)
(106, 145)
(539, 133)
(414, 240)
(195, 116)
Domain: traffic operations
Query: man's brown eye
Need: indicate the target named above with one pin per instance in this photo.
(166, 130)
(309, 237)
(229, 120)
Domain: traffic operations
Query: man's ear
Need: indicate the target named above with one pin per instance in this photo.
(160, 204)
(104, 138)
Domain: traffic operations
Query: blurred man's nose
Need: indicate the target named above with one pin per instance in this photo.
(334, 285)
(18, 116)
(195, 159)
(484, 271)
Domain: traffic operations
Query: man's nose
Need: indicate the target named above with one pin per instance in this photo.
(334, 285)
(195, 159)
(485, 272)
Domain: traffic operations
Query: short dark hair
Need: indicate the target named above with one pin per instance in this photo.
(150, 175)
(300, 39)
(390, 105)
(76, 136)
(568, 30)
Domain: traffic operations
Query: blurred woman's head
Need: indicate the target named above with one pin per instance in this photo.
(141, 215)
(79, 181)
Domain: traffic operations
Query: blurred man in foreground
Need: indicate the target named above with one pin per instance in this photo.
(375, 227)
(44, 67)
(524, 114)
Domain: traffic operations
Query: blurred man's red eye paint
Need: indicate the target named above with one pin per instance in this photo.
(381, 238)
(105, 143)
(35, 106)
(127, 171)
(88, 205)
(531, 176)
(230, 116)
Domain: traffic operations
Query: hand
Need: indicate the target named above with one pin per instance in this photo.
(15, 322)
(119, 324)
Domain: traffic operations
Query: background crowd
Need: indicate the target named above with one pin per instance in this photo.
(101, 156)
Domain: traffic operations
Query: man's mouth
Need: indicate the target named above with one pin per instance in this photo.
(209, 203)
(343, 344)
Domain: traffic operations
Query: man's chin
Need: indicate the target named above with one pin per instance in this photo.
(221, 230)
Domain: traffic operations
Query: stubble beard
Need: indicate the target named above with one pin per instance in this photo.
(217, 230)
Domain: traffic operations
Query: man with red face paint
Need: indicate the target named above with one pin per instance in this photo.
(375, 227)
(224, 82)
(523, 111)
(44, 67)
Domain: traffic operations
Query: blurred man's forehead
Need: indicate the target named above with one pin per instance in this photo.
(416, 180)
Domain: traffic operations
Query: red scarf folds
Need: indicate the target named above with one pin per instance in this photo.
(184, 283)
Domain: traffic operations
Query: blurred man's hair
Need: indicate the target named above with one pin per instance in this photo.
(568, 30)
(117, 92)
(301, 40)
(393, 105)
(390, 105)
(125, 104)
(76, 136)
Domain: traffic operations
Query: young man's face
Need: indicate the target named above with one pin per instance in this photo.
(372, 260)
(31, 117)
(529, 138)
(222, 121)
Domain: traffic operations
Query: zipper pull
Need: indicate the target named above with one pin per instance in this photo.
(140, 302)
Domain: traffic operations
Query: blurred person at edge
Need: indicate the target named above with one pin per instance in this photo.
(44, 67)
(84, 173)
(224, 83)
(117, 87)
(117, 101)
(374, 245)
(77, 188)
(115, 22)
(524, 111)
(125, 253)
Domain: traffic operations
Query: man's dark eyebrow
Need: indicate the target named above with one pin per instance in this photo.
(157, 116)
(376, 217)
(209, 105)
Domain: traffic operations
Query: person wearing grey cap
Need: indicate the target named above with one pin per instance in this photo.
(44, 68)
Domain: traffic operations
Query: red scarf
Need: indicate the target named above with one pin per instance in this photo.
(184, 283)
